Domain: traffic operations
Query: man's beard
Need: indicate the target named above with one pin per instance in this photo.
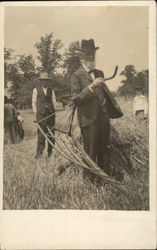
(90, 65)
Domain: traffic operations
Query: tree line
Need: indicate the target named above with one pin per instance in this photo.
(22, 71)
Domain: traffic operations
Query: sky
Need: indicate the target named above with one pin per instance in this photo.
(120, 32)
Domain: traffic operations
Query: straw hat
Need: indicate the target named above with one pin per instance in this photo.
(44, 76)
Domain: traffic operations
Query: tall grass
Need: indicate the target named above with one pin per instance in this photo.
(37, 184)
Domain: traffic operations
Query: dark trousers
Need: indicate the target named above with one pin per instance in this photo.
(50, 122)
(96, 139)
(10, 128)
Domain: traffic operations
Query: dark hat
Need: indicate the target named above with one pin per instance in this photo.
(88, 46)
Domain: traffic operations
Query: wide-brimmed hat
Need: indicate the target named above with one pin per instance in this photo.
(88, 46)
(44, 76)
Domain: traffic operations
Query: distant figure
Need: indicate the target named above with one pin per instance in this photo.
(19, 126)
(9, 119)
(44, 104)
(140, 104)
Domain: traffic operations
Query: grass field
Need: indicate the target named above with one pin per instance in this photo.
(31, 184)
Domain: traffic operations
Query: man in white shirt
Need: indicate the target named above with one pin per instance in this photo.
(43, 104)
(140, 104)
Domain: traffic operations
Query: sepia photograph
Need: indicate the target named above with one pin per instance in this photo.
(76, 107)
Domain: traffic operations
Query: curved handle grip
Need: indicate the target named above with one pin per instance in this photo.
(114, 74)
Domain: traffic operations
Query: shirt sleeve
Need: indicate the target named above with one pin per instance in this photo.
(54, 99)
(34, 98)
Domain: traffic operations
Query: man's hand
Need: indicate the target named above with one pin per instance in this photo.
(96, 83)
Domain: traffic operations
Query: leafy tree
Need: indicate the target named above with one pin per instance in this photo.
(21, 73)
(27, 67)
(133, 79)
(11, 74)
(143, 80)
(128, 84)
(72, 60)
(59, 85)
(14, 76)
(24, 94)
(26, 64)
(12, 69)
(48, 53)
(8, 55)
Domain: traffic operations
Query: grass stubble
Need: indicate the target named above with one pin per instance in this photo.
(36, 184)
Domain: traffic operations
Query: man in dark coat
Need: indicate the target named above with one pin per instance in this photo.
(95, 106)
(43, 103)
(10, 114)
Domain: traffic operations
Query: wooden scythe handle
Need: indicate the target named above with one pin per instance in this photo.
(114, 74)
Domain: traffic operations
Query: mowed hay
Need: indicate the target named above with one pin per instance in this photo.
(130, 140)
(31, 184)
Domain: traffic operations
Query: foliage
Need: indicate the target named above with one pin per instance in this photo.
(143, 79)
(23, 96)
(133, 79)
(72, 60)
(14, 76)
(26, 65)
(48, 53)
(11, 73)
(27, 69)
(8, 54)
(21, 73)
(129, 83)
